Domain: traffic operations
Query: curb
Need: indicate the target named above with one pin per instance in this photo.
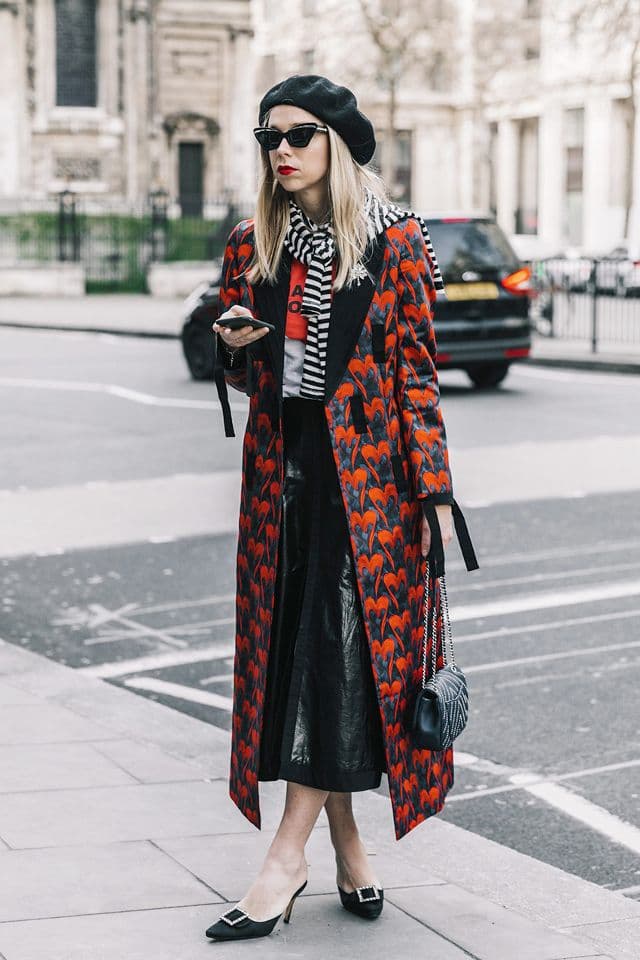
(569, 363)
(69, 328)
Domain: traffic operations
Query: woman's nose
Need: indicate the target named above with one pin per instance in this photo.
(284, 150)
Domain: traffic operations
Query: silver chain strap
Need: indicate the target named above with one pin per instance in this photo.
(451, 659)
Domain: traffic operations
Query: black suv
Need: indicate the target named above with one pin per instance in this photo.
(482, 320)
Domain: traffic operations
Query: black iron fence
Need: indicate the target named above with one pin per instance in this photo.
(115, 242)
(588, 299)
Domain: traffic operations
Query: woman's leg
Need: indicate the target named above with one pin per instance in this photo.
(354, 869)
(285, 868)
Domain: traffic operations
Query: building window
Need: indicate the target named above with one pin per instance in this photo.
(76, 55)
(527, 210)
(573, 149)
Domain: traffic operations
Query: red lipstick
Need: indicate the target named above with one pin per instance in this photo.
(286, 170)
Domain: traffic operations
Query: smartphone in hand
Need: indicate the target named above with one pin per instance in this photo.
(236, 323)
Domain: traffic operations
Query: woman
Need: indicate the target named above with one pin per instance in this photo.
(344, 474)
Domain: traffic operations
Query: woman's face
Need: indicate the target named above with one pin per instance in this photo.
(310, 164)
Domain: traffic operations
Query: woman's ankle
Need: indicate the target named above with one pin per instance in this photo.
(289, 858)
(347, 843)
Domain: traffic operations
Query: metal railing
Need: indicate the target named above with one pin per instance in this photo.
(587, 299)
(114, 241)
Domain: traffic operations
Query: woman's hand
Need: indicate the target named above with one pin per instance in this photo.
(445, 519)
(235, 339)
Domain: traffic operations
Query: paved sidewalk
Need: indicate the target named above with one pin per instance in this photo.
(118, 839)
(140, 315)
(577, 355)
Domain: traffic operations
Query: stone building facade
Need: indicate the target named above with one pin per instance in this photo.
(116, 98)
(499, 111)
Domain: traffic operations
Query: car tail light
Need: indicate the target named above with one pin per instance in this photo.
(636, 263)
(517, 352)
(519, 282)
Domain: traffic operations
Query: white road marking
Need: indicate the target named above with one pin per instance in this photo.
(216, 678)
(546, 657)
(193, 629)
(534, 578)
(115, 390)
(138, 629)
(552, 553)
(595, 817)
(183, 604)
(511, 774)
(181, 692)
(158, 661)
(547, 625)
(567, 597)
(596, 672)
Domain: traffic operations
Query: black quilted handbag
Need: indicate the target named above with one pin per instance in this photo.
(442, 705)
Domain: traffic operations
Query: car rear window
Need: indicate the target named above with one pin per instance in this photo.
(470, 245)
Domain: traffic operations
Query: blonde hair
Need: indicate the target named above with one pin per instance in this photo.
(352, 230)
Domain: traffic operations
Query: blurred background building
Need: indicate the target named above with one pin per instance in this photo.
(114, 98)
(520, 108)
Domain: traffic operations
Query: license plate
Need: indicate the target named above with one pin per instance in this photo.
(471, 291)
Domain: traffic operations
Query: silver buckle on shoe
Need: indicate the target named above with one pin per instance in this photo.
(359, 890)
(240, 916)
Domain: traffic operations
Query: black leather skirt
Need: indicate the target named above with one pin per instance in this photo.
(322, 724)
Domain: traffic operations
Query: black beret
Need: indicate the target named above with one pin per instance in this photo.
(333, 104)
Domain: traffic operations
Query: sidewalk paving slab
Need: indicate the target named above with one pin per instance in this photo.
(70, 881)
(319, 927)
(139, 869)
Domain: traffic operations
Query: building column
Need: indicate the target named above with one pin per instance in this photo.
(136, 98)
(597, 172)
(507, 175)
(467, 159)
(634, 213)
(240, 146)
(12, 96)
(552, 177)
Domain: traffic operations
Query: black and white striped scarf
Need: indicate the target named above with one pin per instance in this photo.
(314, 245)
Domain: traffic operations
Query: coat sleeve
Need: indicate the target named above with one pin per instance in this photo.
(417, 390)
(235, 369)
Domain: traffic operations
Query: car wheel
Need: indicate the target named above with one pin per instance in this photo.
(488, 375)
(199, 351)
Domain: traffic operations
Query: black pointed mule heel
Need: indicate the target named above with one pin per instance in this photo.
(364, 901)
(235, 924)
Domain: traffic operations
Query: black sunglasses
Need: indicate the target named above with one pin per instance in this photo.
(270, 138)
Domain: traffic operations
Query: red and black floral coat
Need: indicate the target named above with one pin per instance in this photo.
(389, 444)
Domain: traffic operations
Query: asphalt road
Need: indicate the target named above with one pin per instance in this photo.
(547, 629)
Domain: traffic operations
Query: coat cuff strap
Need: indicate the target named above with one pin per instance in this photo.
(436, 553)
(221, 387)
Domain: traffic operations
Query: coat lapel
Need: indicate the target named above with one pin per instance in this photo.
(271, 304)
(349, 309)
(348, 313)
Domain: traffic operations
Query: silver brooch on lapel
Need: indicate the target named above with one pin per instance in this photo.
(358, 273)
